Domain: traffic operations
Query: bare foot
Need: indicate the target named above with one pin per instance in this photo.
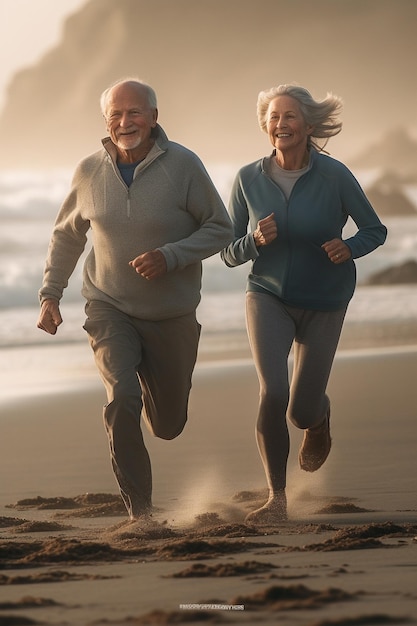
(271, 513)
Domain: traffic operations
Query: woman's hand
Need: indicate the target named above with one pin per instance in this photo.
(337, 251)
(266, 231)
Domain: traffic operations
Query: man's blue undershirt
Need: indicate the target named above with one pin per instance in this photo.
(127, 170)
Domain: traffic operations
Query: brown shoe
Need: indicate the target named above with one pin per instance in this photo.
(316, 446)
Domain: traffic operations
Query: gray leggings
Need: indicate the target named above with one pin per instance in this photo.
(146, 367)
(273, 328)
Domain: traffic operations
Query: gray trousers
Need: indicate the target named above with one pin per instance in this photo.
(146, 367)
(273, 329)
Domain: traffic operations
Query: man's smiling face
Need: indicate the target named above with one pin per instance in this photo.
(130, 121)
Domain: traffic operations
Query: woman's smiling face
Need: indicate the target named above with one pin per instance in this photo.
(286, 127)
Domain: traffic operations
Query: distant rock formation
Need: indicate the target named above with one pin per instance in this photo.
(208, 60)
(395, 152)
(387, 196)
(405, 273)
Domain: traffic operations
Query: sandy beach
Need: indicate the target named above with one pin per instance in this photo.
(347, 555)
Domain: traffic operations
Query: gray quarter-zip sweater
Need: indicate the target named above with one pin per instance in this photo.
(171, 205)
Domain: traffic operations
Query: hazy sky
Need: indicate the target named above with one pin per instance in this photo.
(28, 28)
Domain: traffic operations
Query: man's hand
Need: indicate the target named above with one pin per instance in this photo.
(266, 231)
(337, 251)
(50, 317)
(150, 265)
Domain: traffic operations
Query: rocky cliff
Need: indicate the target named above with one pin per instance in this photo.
(207, 60)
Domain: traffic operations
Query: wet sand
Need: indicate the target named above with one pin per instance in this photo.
(347, 554)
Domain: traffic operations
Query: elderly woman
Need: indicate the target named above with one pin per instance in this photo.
(296, 202)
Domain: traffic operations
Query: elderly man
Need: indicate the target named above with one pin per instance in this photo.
(154, 215)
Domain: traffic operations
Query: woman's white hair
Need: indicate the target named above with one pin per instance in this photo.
(321, 115)
(152, 100)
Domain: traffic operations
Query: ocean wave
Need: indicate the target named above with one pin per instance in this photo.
(371, 308)
(29, 202)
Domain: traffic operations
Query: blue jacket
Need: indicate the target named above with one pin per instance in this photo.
(294, 267)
